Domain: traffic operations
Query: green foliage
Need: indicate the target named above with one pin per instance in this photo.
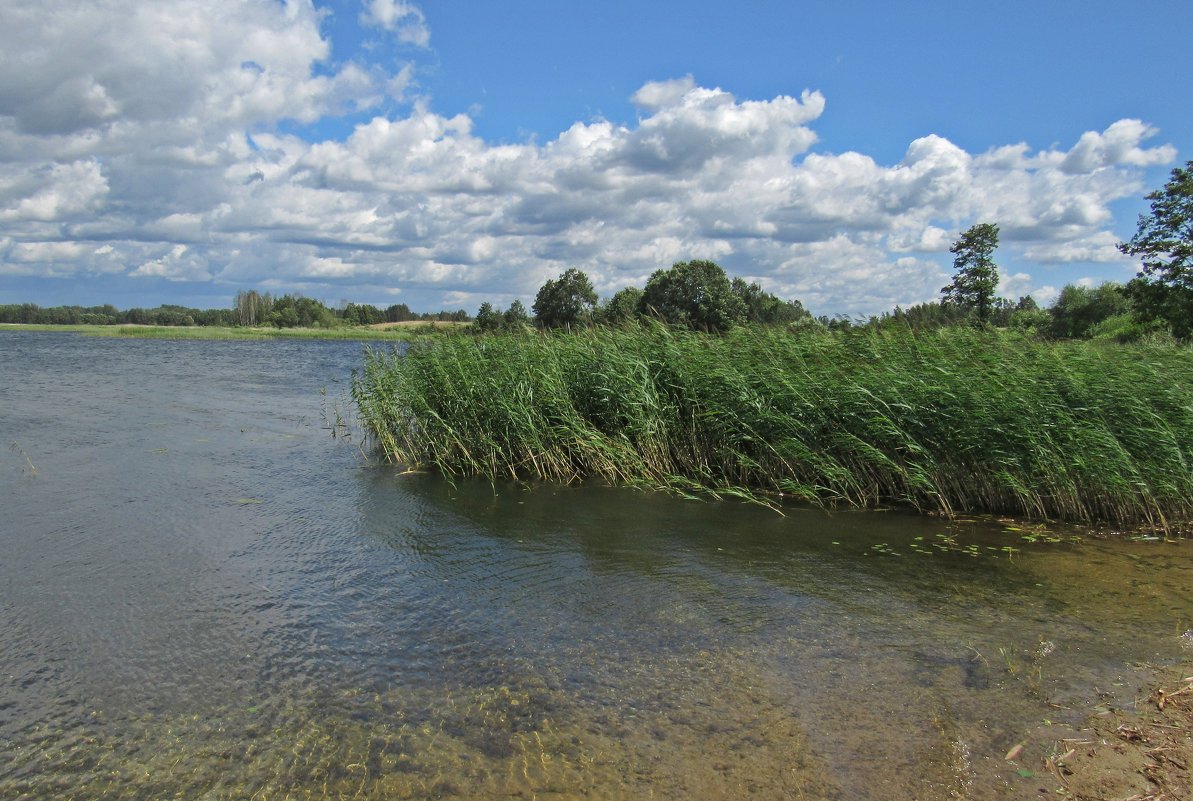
(767, 309)
(955, 420)
(976, 281)
(622, 307)
(1128, 328)
(166, 315)
(1079, 309)
(250, 308)
(1163, 289)
(696, 294)
(362, 314)
(295, 311)
(1029, 320)
(488, 320)
(566, 301)
(400, 313)
(837, 323)
(921, 317)
(515, 317)
(1021, 315)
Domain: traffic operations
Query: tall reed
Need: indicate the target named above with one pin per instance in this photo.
(946, 421)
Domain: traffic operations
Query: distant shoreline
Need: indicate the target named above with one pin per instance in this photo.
(403, 331)
(383, 332)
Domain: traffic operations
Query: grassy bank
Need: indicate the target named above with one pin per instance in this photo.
(949, 421)
(393, 332)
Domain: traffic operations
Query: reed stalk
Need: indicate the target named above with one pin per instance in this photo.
(947, 421)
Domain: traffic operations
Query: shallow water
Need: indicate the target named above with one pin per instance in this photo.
(205, 595)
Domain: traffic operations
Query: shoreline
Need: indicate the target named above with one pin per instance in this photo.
(1137, 752)
(390, 332)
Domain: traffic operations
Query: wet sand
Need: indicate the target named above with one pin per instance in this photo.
(1139, 752)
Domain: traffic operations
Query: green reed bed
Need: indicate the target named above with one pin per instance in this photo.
(950, 421)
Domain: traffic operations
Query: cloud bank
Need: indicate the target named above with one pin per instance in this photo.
(148, 140)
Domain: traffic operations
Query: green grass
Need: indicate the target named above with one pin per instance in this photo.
(403, 334)
(949, 421)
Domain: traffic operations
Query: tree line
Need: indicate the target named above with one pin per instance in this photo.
(294, 311)
(1158, 302)
(249, 308)
(699, 295)
(166, 315)
(696, 294)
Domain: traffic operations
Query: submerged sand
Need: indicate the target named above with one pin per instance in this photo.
(1139, 752)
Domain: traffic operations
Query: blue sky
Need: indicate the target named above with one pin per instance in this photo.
(442, 154)
(980, 74)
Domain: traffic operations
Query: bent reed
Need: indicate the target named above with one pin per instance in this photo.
(949, 421)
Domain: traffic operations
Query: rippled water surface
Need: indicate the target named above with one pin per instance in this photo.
(204, 595)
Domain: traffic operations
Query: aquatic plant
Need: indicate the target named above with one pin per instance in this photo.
(943, 421)
(28, 468)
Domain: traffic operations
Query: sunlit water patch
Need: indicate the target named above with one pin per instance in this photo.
(205, 595)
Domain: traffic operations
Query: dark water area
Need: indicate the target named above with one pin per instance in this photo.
(205, 595)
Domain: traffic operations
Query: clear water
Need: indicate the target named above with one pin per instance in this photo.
(204, 595)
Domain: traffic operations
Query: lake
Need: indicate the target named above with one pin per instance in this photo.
(205, 595)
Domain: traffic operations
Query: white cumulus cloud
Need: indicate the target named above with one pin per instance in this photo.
(178, 264)
(154, 131)
(404, 19)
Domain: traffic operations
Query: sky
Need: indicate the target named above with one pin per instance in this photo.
(442, 154)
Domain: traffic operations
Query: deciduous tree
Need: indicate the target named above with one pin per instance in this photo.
(622, 307)
(488, 319)
(693, 293)
(1163, 289)
(763, 307)
(976, 281)
(1078, 309)
(515, 317)
(565, 301)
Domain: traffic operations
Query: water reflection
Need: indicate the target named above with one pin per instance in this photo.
(887, 656)
(203, 595)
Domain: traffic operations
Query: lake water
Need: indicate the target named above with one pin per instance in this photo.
(204, 595)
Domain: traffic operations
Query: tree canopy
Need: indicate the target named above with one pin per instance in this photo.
(515, 317)
(696, 293)
(488, 318)
(763, 307)
(1164, 241)
(565, 301)
(293, 311)
(976, 281)
(1078, 309)
(622, 307)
